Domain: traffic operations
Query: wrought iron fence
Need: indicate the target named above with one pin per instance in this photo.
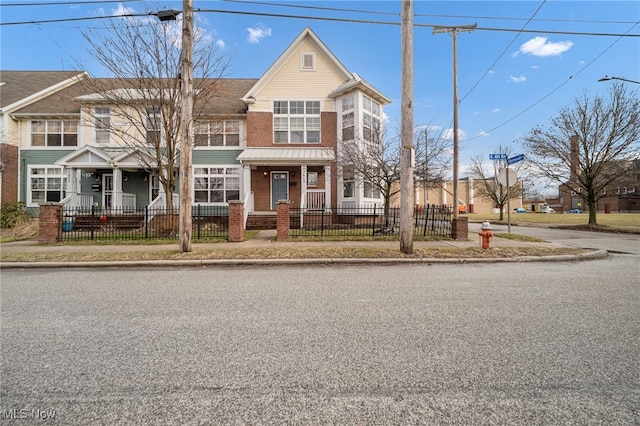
(208, 222)
(373, 221)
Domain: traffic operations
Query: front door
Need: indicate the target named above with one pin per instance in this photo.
(107, 191)
(279, 187)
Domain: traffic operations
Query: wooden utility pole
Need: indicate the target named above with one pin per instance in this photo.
(186, 126)
(406, 131)
(454, 30)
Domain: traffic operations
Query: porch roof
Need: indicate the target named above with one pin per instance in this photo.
(287, 156)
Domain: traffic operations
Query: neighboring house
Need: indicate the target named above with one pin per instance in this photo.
(19, 90)
(260, 141)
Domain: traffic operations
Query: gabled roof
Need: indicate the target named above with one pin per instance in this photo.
(20, 88)
(358, 83)
(305, 35)
(86, 157)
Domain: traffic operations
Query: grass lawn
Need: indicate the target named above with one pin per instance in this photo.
(628, 222)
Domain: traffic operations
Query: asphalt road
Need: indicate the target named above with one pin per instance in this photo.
(612, 242)
(531, 343)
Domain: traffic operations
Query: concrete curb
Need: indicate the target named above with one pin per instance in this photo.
(595, 254)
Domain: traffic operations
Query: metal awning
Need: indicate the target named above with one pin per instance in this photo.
(266, 156)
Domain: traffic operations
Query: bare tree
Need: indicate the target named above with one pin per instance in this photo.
(375, 164)
(486, 184)
(589, 144)
(433, 157)
(143, 93)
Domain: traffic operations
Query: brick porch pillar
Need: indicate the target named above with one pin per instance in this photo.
(283, 220)
(460, 228)
(50, 223)
(236, 221)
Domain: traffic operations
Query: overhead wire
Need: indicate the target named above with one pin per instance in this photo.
(503, 52)
(558, 87)
(73, 3)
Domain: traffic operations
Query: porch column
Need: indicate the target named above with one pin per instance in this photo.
(72, 186)
(303, 186)
(246, 186)
(117, 188)
(327, 187)
(471, 197)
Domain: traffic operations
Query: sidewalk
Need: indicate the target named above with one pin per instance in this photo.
(266, 240)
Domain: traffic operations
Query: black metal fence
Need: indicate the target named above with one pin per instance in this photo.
(373, 221)
(209, 222)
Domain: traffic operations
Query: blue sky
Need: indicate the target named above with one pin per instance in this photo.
(508, 81)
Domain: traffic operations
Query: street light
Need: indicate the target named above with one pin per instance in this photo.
(606, 78)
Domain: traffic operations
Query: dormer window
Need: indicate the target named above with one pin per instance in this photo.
(307, 61)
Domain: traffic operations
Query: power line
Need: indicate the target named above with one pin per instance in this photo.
(59, 3)
(556, 89)
(425, 14)
(86, 18)
(318, 18)
(503, 52)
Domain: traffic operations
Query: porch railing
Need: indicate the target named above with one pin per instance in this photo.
(315, 199)
(78, 202)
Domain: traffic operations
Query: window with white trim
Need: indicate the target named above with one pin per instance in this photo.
(153, 125)
(371, 190)
(46, 184)
(312, 179)
(296, 122)
(348, 129)
(54, 133)
(216, 184)
(217, 133)
(307, 61)
(370, 120)
(348, 181)
(102, 116)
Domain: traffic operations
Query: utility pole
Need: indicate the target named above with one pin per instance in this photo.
(454, 30)
(186, 127)
(406, 131)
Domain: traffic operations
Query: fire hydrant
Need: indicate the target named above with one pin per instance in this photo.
(485, 235)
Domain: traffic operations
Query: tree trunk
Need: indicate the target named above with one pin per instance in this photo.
(593, 210)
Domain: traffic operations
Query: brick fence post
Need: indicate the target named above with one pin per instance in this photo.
(460, 229)
(283, 220)
(236, 221)
(50, 223)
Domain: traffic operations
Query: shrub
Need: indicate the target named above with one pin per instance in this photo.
(13, 214)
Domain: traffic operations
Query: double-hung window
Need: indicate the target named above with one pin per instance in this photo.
(296, 122)
(46, 184)
(153, 125)
(216, 184)
(348, 181)
(54, 133)
(217, 133)
(370, 120)
(102, 118)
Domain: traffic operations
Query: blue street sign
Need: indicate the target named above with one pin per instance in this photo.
(515, 159)
(497, 156)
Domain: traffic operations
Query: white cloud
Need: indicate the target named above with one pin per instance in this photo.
(491, 73)
(482, 133)
(534, 67)
(514, 79)
(448, 134)
(539, 46)
(221, 44)
(496, 110)
(258, 33)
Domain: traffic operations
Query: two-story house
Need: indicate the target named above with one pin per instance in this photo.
(259, 140)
